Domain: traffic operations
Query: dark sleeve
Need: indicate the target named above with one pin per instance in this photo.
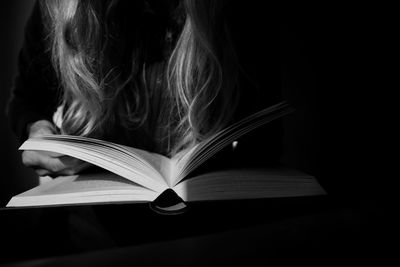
(34, 93)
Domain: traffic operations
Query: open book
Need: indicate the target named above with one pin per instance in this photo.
(140, 176)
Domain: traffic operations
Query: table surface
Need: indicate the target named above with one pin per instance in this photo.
(246, 232)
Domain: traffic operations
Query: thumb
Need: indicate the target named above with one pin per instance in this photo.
(41, 127)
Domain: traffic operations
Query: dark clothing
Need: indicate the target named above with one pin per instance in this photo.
(36, 93)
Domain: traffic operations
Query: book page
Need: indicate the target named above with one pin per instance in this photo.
(89, 188)
(161, 163)
(132, 164)
(209, 147)
(248, 184)
(180, 161)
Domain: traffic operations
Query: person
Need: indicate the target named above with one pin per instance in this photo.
(156, 75)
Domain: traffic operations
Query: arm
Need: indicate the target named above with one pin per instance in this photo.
(34, 99)
(34, 95)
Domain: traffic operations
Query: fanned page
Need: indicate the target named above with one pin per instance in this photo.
(90, 188)
(136, 165)
(249, 184)
(185, 163)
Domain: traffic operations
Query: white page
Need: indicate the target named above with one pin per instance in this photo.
(103, 187)
(248, 184)
(207, 148)
(108, 160)
(161, 163)
(151, 160)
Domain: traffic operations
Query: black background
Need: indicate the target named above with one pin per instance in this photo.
(14, 177)
(298, 64)
(335, 64)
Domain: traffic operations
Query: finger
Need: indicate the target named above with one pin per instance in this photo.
(70, 161)
(74, 169)
(51, 154)
(42, 172)
(45, 153)
(46, 165)
(43, 161)
(67, 171)
(74, 163)
(41, 127)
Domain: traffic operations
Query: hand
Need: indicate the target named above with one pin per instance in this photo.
(50, 163)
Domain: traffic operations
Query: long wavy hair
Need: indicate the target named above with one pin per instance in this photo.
(200, 71)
